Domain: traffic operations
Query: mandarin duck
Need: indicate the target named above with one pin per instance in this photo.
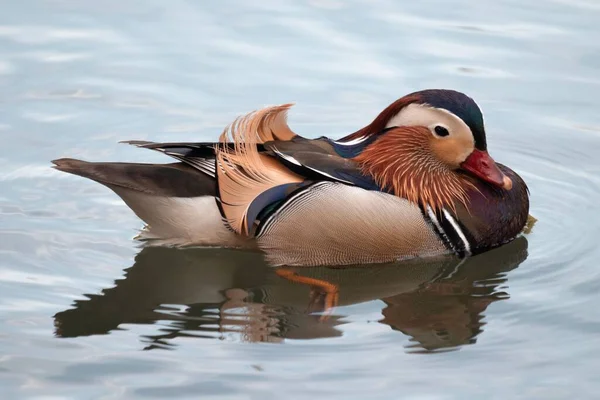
(416, 182)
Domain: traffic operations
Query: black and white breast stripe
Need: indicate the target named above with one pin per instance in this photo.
(450, 231)
(298, 197)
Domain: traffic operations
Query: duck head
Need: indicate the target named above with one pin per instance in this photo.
(423, 145)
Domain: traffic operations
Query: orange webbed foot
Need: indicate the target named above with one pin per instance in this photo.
(319, 288)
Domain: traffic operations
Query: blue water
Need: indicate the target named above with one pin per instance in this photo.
(86, 313)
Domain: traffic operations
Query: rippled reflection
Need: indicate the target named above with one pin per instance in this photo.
(216, 293)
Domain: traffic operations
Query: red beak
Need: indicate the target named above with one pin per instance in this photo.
(480, 164)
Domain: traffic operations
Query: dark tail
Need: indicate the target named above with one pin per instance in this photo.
(170, 180)
(176, 201)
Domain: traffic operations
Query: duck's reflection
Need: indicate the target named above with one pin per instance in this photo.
(226, 294)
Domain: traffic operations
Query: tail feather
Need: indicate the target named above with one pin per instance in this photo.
(176, 201)
(172, 180)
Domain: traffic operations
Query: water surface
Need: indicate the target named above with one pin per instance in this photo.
(85, 312)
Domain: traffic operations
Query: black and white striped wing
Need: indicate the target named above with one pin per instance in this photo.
(198, 155)
(317, 160)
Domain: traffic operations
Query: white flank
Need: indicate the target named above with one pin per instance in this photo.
(180, 221)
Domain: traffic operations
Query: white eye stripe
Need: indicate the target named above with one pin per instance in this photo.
(425, 115)
(455, 118)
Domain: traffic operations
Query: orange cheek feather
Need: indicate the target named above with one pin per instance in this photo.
(403, 162)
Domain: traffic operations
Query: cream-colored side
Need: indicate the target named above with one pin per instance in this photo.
(336, 224)
(178, 221)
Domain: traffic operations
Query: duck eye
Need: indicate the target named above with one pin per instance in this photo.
(441, 131)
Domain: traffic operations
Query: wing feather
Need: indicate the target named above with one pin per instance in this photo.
(244, 173)
(201, 156)
(318, 160)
